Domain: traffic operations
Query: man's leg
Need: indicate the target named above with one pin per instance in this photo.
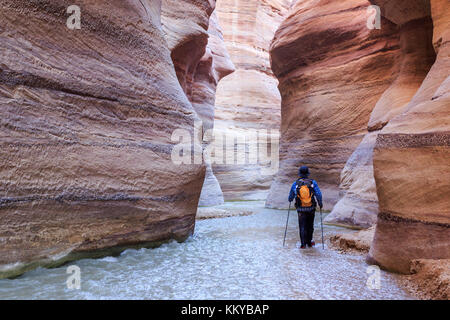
(302, 228)
(310, 227)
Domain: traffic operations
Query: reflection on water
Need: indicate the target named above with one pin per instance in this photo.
(231, 258)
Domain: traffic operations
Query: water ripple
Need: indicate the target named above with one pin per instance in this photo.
(231, 258)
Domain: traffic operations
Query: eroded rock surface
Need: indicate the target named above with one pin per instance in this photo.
(332, 70)
(248, 98)
(354, 242)
(411, 164)
(211, 194)
(403, 102)
(185, 24)
(201, 61)
(87, 118)
(359, 204)
(430, 279)
(214, 65)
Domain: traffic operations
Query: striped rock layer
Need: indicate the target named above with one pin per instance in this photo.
(86, 123)
(369, 110)
(411, 157)
(332, 70)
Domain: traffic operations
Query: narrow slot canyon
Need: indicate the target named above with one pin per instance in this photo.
(153, 145)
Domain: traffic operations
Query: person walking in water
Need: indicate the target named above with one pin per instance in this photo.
(307, 195)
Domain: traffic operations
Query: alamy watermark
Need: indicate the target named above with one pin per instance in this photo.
(374, 279)
(74, 20)
(73, 282)
(374, 19)
(227, 147)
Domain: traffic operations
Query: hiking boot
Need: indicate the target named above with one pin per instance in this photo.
(303, 246)
(312, 244)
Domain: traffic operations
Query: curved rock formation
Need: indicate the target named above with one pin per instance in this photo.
(430, 279)
(214, 65)
(411, 159)
(201, 60)
(87, 119)
(185, 25)
(399, 76)
(211, 194)
(248, 98)
(359, 204)
(332, 70)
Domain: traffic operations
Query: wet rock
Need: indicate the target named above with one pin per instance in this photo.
(213, 213)
(430, 279)
(351, 242)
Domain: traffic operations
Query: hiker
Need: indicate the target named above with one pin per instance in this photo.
(307, 194)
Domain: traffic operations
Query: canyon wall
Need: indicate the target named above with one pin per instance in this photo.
(359, 203)
(87, 119)
(248, 99)
(201, 61)
(198, 51)
(214, 65)
(332, 70)
(369, 110)
(411, 156)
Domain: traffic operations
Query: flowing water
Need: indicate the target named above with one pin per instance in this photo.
(229, 258)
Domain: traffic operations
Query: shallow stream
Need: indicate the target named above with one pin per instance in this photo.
(228, 258)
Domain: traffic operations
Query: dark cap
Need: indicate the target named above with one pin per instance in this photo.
(303, 171)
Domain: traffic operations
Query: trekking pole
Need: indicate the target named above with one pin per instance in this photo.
(321, 224)
(287, 221)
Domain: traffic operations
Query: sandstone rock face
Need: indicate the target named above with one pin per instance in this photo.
(411, 163)
(211, 194)
(332, 70)
(87, 118)
(430, 279)
(248, 98)
(214, 65)
(353, 242)
(185, 25)
(359, 204)
(403, 103)
(201, 60)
